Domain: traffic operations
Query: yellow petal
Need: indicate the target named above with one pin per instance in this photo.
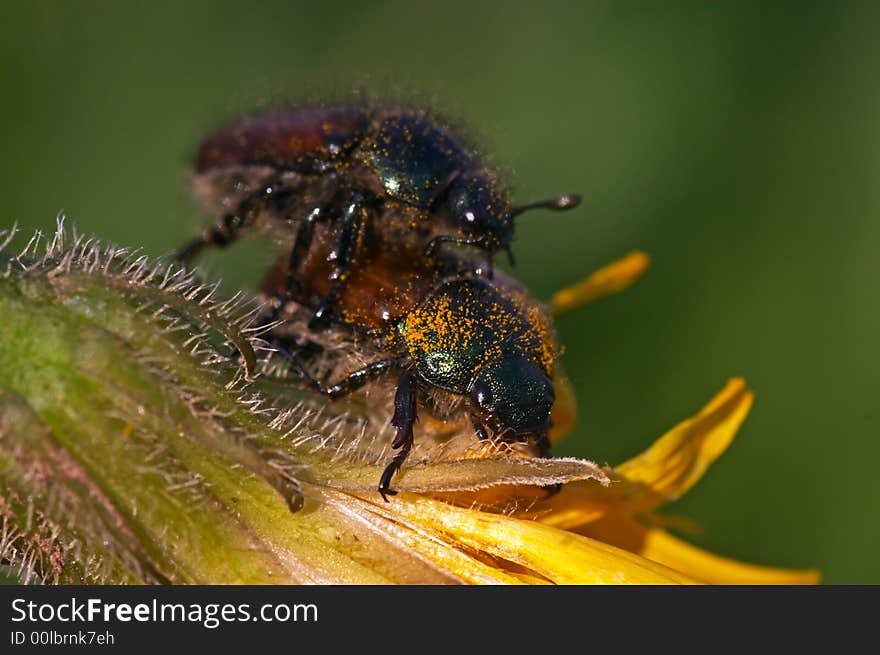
(429, 546)
(671, 466)
(609, 279)
(676, 461)
(660, 546)
(574, 505)
(556, 555)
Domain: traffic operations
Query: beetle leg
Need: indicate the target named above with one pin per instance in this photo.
(218, 235)
(350, 383)
(543, 443)
(404, 418)
(404, 406)
(302, 242)
(432, 250)
(229, 228)
(348, 242)
(357, 379)
(434, 244)
(479, 430)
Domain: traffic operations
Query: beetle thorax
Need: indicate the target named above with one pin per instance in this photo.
(467, 325)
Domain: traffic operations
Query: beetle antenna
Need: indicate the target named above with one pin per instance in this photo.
(568, 201)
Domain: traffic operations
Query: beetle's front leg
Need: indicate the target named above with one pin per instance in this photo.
(404, 418)
(432, 250)
(479, 430)
(543, 443)
(349, 384)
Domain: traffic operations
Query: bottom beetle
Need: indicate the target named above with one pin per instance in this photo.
(446, 330)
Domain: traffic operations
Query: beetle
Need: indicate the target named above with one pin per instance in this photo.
(450, 334)
(377, 172)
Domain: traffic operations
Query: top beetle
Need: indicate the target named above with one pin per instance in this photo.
(381, 173)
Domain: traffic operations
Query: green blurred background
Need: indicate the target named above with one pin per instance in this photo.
(738, 143)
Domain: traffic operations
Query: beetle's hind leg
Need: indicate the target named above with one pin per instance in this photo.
(233, 225)
(404, 418)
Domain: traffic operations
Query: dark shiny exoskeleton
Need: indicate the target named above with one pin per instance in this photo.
(383, 174)
(444, 330)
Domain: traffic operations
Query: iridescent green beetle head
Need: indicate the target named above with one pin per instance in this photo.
(513, 397)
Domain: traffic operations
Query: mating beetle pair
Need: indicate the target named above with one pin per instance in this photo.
(378, 173)
(369, 194)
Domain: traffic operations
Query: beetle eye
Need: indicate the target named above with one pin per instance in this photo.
(481, 395)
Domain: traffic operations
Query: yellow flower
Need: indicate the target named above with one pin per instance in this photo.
(135, 449)
(588, 532)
